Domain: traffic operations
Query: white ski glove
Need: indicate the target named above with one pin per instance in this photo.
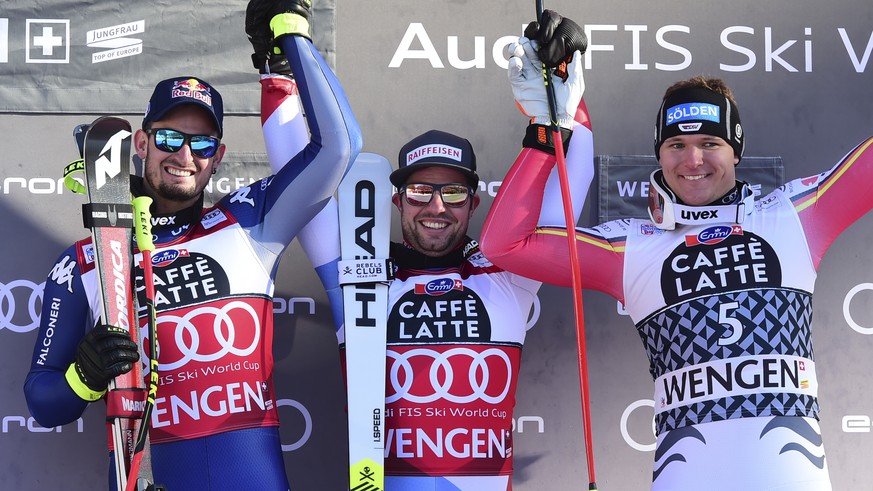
(526, 78)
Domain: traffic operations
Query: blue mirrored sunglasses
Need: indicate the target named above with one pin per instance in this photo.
(171, 141)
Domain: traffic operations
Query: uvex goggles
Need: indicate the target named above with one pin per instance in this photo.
(420, 193)
(171, 141)
(666, 213)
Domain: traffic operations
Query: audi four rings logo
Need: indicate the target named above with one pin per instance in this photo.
(28, 293)
(441, 374)
(224, 328)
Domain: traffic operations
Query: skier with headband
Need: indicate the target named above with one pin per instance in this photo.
(718, 285)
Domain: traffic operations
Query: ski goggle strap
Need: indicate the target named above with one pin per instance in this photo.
(665, 213)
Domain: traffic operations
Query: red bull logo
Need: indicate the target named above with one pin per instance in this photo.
(192, 88)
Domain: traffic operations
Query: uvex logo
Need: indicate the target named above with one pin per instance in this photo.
(699, 215)
(110, 166)
(163, 221)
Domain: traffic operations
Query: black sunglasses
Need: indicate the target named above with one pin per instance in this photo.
(167, 140)
(453, 194)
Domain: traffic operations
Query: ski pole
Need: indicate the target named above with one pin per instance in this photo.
(143, 230)
(569, 218)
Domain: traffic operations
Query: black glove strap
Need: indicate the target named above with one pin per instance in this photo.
(541, 137)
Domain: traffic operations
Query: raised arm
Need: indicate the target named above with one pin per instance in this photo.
(525, 230)
(305, 183)
(828, 203)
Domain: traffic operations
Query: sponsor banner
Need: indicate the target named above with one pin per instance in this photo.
(66, 57)
(735, 377)
(623, 182)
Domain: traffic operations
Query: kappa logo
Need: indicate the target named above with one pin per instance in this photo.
(62, 272)
(242, 196)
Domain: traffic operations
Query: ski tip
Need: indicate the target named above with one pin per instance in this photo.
(79, 135)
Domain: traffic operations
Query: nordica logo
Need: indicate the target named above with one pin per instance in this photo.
(119, 285)
(110, 166)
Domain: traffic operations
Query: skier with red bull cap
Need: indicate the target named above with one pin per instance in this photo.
(214, 425)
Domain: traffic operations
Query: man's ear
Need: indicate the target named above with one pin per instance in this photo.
(216, 159)
(141, 144)
(475, 204)
(396, 200)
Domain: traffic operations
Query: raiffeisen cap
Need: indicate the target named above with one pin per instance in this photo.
(696, 110)
(438, 148)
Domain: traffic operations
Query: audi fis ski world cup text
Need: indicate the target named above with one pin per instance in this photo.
(741, 48)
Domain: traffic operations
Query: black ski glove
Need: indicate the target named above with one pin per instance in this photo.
(103, 354)
(261, 31)
(558, 38)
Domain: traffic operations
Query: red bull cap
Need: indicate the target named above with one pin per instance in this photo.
(184, 90)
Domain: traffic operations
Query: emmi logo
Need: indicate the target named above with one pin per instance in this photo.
(30, 424)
